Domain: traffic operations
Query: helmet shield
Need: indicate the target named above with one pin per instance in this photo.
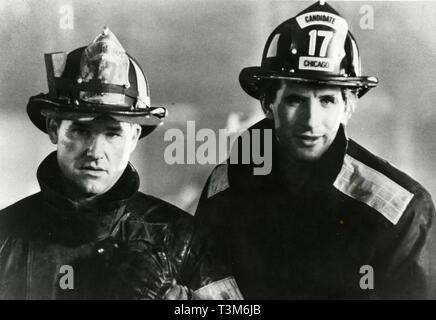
(100, 79)
(104, 60)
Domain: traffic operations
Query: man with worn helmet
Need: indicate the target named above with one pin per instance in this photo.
(331, 220)
(89, 233)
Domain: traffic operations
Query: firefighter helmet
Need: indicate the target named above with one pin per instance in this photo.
(100, 79)
(314, 46)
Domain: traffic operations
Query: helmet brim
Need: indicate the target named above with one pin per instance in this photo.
(41, 105)
(250, 79)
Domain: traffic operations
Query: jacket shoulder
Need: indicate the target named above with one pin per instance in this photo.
(16, 214)
(218, 180)
(375, 182)
(21, 204)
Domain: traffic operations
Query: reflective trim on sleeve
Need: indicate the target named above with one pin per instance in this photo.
(224, 289)
(218, 180)
(371, 187)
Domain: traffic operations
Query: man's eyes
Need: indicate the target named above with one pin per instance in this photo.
(327, 100)
(81, 131)
(86, 132)
(113, 134)
(296, 100)
(292, 100)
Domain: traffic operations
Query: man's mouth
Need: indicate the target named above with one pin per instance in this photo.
(308, 140)
(92, 170)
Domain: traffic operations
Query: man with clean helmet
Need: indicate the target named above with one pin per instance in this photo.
(331, 220)
(89, 233)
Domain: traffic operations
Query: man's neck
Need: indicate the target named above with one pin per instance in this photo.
(295, 173)
(73, 193)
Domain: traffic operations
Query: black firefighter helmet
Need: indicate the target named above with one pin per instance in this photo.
(100, 79)
(314, 46)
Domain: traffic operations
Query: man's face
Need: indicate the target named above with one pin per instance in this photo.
(306, 118)
(93, 154)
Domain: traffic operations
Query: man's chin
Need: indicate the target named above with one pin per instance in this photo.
(308, 154)
(90, 189)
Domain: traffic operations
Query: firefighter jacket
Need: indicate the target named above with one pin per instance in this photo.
(356, 228)
(128, 245)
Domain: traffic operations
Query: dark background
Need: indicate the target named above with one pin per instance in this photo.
(192, 52)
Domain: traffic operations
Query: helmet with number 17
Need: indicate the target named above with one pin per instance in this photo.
(314, 46)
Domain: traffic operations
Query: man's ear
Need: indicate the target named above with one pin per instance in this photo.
(137, 129)
(266, 107)
(348, 112)
(345, 116)
(52, 126)
(350, 100)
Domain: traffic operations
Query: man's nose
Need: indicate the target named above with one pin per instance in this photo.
(95, 147)
(311, 112)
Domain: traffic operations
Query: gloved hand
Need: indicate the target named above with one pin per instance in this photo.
(178, 292)
(137, 270)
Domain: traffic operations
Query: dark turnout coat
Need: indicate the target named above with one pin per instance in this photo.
(357, 229)
(127, 246)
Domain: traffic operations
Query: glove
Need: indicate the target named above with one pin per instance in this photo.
(178, 292)
(137, 270)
